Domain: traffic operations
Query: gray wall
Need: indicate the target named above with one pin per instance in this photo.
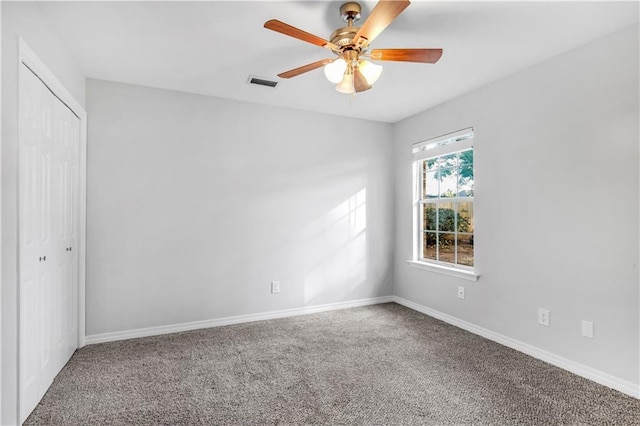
(195, 204)
(556, 151)
(27, 21)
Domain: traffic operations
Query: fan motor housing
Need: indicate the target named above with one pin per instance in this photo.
(343, 36)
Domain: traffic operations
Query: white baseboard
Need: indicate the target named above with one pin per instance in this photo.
(582, 370)
(217, 322)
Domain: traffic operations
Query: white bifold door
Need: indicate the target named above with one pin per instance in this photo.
(48, 237)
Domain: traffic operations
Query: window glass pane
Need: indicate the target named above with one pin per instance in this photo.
(450, 160)
(429, 217)
(431, 164)
(465, 181)
(465, 249)
(446, 217)
(430, 185)
(448, 182)
(466, 158)
(446, 248)
(465, 216)
(429, 245)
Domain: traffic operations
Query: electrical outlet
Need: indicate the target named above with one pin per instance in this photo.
(460, 292)
(543, 317)
(587, 329)
(275, 287)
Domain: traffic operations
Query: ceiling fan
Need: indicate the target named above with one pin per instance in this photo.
(350, 70)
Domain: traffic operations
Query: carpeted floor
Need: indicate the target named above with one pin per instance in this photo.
(375, 365)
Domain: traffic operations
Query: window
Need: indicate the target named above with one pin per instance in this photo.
(443, 200)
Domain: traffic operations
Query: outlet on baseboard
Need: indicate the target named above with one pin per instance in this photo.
(275, 287)
(460, 292)
(543, 317)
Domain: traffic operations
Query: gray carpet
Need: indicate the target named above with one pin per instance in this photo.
(382, 365)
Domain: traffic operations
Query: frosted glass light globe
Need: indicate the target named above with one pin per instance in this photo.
(370, 71)
(334, 71)
(346, 85)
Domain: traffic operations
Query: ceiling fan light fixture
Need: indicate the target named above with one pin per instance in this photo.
(346, 85)
(346, 70)
(334, 71)
(370, 71)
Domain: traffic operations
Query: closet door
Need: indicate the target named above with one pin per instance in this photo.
(65, 166)
(48, 164)
(36, 240)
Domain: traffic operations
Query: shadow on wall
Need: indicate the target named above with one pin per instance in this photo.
(336, 261)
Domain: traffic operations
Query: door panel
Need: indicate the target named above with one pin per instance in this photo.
(32, 274)
(48, 160)
(67, 159)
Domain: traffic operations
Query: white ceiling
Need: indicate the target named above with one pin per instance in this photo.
(211, 47)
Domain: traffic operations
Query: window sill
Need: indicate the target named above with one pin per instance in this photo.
(454, 272)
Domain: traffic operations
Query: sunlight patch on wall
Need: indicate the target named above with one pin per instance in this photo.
(338, 252)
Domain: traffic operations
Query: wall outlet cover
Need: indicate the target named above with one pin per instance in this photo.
(587, 329)
(543, 317)
(460, 292)
(275, 287)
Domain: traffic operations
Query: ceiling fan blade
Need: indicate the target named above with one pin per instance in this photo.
(305, 68)
(360, 84)
(381, 16)
(294, 32)
(427, 56)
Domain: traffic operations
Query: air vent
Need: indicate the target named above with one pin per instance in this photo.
(262, 81)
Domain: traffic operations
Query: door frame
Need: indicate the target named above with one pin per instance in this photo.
(28, 58)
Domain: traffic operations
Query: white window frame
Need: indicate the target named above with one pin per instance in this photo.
(459, 141)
